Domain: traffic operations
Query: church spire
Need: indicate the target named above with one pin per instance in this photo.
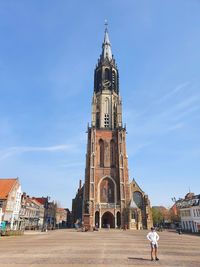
(106, 76)
(106, 104)
(106, 46)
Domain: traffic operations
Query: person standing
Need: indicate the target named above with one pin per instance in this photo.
(153, 237)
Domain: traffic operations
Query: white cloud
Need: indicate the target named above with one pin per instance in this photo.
(25, 149)
(160, 118)
(178, 88)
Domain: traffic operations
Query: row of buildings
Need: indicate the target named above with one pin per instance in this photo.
(183, 215)
(19, 211)
(188, 209)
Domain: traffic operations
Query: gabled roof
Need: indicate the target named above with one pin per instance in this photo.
(134, 181)
(36, 202)
(6, 186)
(41, 200)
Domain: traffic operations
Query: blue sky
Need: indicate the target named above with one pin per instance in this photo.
(48, 52)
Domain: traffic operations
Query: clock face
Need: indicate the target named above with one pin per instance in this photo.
(106, 83)
(137, 197)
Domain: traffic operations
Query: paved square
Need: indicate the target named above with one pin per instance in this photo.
(104, 248)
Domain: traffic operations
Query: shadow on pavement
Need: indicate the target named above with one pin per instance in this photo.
(140, 259)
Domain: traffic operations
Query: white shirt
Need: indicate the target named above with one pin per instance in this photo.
(153, 237)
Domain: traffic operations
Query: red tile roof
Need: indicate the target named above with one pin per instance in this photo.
(41, 200)
(36, 202)
(5, 186)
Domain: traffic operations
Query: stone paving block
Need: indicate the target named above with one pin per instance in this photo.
(104, 248)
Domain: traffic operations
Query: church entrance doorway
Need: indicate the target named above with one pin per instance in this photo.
(108, 220)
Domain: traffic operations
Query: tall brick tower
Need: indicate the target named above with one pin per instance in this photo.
(107, 188)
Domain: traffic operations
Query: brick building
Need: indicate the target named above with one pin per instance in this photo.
(109, 199)
(31, 213)
(61, 218)
(49, 211)
(77, 205)
(10, 202)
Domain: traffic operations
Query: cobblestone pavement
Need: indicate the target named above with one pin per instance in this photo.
(104, 248)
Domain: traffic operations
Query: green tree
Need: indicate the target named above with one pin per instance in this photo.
(158, 216)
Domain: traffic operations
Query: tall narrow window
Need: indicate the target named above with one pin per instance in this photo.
(113, 79)
(122, 191)
(106, 120)
(115, 116)
(97, 120)
(98, 80)
(92, 159)
(92, 175)
(106, 105)
(112, 153)
(106, 74)
(101, 153)
(92, 190)
(106, 115)
(121, 160)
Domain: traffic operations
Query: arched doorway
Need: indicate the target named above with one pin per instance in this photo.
(108, 220)
(118, 219)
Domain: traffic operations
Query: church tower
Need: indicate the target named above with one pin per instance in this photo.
(107, 188)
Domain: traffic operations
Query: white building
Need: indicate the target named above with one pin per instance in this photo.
(190, 212)
(10, 199)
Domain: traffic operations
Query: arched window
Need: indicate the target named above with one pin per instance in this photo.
(106, 105)
(101, 153)
(107, 191)
(138, 199)
(107, 74)
(112, 153)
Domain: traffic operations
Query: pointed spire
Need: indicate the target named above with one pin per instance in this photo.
(106, 47)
